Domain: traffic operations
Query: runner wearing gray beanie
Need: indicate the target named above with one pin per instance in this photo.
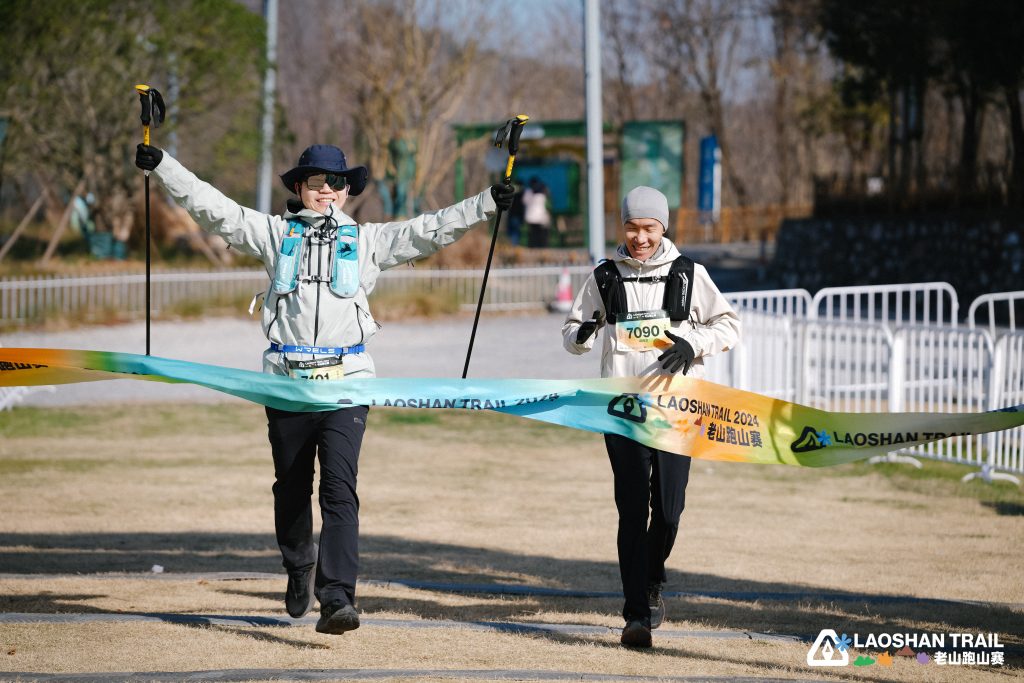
(662, 315)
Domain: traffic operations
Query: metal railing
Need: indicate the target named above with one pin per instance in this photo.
(24, 300)
(1006, 448)
(996, 306)
(791, 303)
(944, 370)
(928, 303)
(844, 366)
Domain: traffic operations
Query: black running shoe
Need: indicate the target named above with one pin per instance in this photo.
(337, 617)
(656, 603)
(636, 634)
(298, 597)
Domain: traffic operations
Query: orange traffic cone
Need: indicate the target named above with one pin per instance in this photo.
(563, 299)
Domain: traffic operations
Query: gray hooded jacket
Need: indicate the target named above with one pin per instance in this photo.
(713, 326)
(313, 315)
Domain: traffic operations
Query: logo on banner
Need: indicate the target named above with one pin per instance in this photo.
(628, 407)
(811, 440)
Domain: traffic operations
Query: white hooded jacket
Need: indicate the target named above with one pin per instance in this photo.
(313, 315)
(713, 326)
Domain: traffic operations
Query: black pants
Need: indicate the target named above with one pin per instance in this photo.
(537, 236)
(296, 440)
(646, 481)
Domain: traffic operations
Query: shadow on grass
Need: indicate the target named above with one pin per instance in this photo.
(1005, 508)
(797, 608)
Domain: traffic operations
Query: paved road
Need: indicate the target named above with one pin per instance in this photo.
(506, 346)
(526, 346)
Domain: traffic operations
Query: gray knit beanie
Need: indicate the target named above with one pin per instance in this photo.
(645, 202)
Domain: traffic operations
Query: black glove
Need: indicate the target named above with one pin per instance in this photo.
(679, 355)
(590, 327)
(503, 195)
(148, 157)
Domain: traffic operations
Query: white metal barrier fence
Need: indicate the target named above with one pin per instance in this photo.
(945, 370)
(844, 365)
(996, 307)
(35, 298)
(1006, 448)
(928, 303)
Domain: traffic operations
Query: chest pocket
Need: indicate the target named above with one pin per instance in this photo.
(286, 274)
(345, 268)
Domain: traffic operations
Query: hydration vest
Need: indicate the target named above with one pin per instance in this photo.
(344, 272)
(678, 289)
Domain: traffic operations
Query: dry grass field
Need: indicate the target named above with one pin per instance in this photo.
(91, 499)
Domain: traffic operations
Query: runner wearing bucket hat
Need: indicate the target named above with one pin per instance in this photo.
(327, 160)
(321, 266)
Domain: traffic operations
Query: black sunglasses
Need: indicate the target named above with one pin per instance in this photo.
(335, 180)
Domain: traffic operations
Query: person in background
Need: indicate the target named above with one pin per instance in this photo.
(322, 265)
(663, 315)
(516, 216)
(535, 212)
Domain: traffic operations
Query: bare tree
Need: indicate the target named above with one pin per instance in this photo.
(409, 76)
(699, 41)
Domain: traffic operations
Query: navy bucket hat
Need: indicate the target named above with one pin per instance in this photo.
(328, 159)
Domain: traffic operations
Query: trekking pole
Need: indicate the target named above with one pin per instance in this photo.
(152, 110)
(511, 131)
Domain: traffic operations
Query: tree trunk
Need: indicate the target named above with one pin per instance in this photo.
(917, 135)
(713, 102)
(1017, 138)
(59, 230)
(969, 142)
(906, 143)
(893, 182)
(21, 226)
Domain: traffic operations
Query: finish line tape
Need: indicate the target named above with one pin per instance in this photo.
(671, 413)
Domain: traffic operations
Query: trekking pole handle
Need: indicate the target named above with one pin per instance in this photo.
(147, 110)
(516, 129)
(153, 109)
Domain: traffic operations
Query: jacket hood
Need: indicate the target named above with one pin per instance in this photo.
(296, 211)
(666, 253)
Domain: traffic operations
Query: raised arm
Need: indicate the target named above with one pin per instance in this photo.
(249, 231)
(402, 241)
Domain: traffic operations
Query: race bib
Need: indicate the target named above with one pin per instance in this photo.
(642, 329)
(322, 368)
